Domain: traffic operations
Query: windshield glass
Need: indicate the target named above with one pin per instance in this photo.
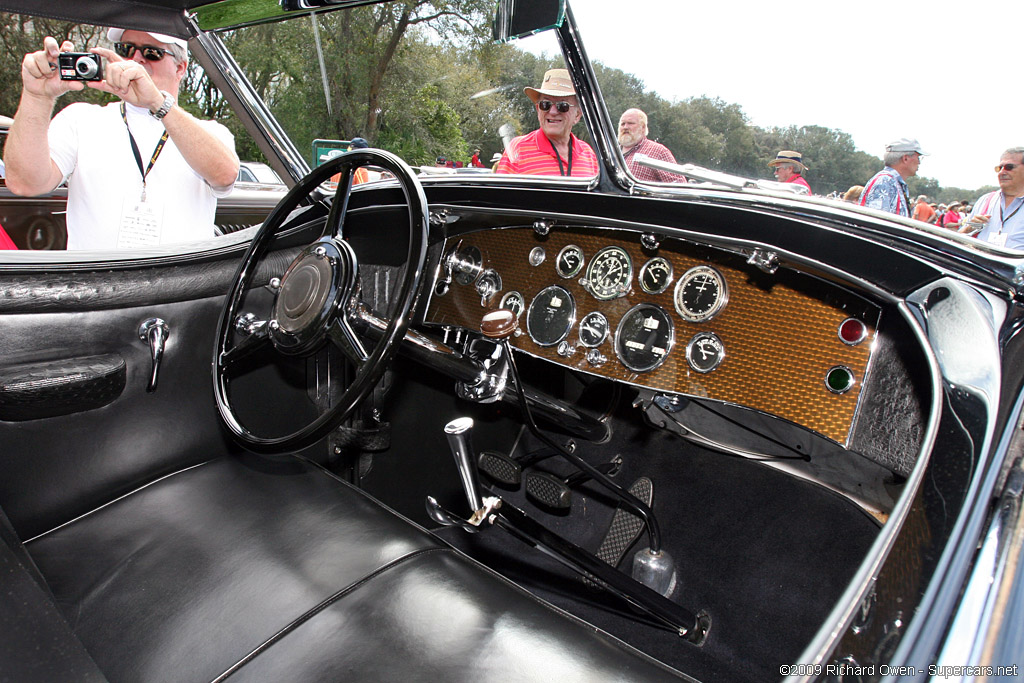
(421, 80)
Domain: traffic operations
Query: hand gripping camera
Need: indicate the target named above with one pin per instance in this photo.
(80, 66)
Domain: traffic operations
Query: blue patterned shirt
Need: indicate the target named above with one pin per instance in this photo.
(887, 191)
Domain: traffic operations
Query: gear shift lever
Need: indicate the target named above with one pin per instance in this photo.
(459, 432)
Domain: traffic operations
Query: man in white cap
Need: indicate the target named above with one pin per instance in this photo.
(140, 172)
(788, 166)
(888, 190)
(552, 149)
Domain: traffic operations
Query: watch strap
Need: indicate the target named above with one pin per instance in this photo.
(168, 103)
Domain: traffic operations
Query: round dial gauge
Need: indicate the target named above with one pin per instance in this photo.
(700, 294)
(551, 315)
(537, 256)
(593, 329)
(644, 337)
(656, 275)
(609, 273)
(514, 301)
(705, 352)
(570, 261)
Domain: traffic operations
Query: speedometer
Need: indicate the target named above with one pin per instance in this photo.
(701, 294)
(609, 273)
(644, 337)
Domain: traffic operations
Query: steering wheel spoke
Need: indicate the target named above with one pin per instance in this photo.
(347, 340)
(247, 347)
(310, 307)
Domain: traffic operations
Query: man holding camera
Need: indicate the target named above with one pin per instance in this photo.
(140, 172)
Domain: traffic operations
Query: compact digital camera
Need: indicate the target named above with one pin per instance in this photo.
(80, 66)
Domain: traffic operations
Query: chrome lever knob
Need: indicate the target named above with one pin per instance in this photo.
(459, 432)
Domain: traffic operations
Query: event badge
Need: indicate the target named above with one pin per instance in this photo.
(141, 224)
(998, 239)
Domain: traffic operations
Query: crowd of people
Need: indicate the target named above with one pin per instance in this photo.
(198, 163)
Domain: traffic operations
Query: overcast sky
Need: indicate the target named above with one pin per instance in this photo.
(938, 72)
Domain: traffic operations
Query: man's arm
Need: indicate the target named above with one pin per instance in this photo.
(204, 152)
(30, 171)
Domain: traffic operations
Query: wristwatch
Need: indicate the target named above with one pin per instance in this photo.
(165, 107)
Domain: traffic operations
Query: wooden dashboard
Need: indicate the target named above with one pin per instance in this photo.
(786, 344)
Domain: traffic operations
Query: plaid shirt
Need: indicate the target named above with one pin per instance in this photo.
(654, 150)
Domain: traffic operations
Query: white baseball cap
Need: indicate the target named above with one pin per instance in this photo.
(114, 35)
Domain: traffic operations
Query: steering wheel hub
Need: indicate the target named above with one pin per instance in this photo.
(311, 290)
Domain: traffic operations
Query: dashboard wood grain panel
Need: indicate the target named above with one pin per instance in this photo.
(780, 331)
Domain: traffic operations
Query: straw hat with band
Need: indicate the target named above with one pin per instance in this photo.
(556, 83)
(788, 157)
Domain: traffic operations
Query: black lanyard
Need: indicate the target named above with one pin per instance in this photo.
(561, 170)
(1003, 219)
(138, 155)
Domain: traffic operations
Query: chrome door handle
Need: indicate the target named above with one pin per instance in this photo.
(154, 332)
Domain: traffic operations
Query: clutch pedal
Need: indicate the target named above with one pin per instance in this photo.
(500, 468)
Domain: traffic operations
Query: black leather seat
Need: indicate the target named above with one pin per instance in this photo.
(276, 570)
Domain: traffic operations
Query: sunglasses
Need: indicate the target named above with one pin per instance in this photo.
(150, 53)
(560, 107)
(1008, 167)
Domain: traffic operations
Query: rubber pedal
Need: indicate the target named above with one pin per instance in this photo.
(625, 527)
(501, 468)
(548, 490)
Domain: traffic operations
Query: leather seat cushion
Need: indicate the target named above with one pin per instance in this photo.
(280, 571)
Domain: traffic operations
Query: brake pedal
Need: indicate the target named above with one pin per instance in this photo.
(501, 468)
(548, 490)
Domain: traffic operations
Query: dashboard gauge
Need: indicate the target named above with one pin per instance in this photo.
(537, 256)
(609, 273)
(593, 329)
(705, 352)
(570, 261)
(700, 294)
(551, 315)
(513, 301)
(656, 275)
(644, 337)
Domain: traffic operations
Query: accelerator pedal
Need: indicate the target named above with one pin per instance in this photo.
(625, 527)
(500, 468)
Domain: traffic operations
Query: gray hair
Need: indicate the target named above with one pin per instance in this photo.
(1014, 150)
(178, 53)
(893, 158)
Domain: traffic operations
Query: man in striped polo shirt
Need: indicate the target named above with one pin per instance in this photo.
(552, 149)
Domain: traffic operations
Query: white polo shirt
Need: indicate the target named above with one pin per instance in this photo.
(90, 145)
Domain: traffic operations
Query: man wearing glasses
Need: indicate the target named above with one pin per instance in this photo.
(141, 171)
(998, 214)
(887, 190)
(552, 149)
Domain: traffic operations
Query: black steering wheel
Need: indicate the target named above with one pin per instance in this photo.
(317, 300)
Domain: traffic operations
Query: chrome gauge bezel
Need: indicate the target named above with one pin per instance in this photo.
(574, 271)
(570, 322)
(680, 291)
(625, 282)
(692, 345)
(509, 295)
(622, 328)
(659, 260)
(607, 329)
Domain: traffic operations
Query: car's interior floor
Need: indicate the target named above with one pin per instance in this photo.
(764, 554)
